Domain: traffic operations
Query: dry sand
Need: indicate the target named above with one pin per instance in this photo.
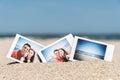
(81, 70)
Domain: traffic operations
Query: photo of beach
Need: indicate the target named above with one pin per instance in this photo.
(88, 49)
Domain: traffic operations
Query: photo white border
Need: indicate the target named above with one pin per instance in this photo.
(69, 38)
(14, 45)
(108, 53)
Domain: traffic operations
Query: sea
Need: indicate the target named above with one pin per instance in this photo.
(48, 36)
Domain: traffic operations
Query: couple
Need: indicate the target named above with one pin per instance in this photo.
(26, 54)
(61, 55)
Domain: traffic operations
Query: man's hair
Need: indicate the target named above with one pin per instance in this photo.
(27, 45)
(55, 50)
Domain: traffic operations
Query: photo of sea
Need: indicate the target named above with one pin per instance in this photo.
(85, 49)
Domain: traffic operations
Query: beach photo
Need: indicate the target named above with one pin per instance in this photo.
(24, 50)
(87, 49)
(58, 51)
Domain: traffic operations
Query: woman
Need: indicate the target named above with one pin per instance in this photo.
(30, 56)
(64, 55)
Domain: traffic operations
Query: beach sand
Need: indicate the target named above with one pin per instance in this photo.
(80, 70)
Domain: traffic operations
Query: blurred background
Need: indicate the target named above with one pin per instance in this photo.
(55, 18)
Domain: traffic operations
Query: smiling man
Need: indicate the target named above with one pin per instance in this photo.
(17, 54)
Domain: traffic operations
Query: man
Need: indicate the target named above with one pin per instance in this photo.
(20, 53)
(57, 57)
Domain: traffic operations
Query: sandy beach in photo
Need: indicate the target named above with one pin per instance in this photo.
(84, 70)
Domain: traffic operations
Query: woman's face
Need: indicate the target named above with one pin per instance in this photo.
(61, 52)
(31, 52)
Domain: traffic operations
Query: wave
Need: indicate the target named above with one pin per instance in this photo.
(89, 54)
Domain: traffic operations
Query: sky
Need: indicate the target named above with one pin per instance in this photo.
(60, 16)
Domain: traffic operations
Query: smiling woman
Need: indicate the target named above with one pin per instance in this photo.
(53, 16)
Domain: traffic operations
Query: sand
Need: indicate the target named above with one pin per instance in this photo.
(81, 70)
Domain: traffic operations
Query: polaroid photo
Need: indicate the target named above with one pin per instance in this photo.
(86, 49)
(24, 50)
(59, 51)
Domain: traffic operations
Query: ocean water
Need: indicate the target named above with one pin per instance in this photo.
(48, 36)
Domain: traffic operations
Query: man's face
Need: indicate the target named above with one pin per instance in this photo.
(56, 53)
(25, 49)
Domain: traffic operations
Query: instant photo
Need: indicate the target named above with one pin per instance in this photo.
(24, 50)
(86, 49)
(58, 51)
